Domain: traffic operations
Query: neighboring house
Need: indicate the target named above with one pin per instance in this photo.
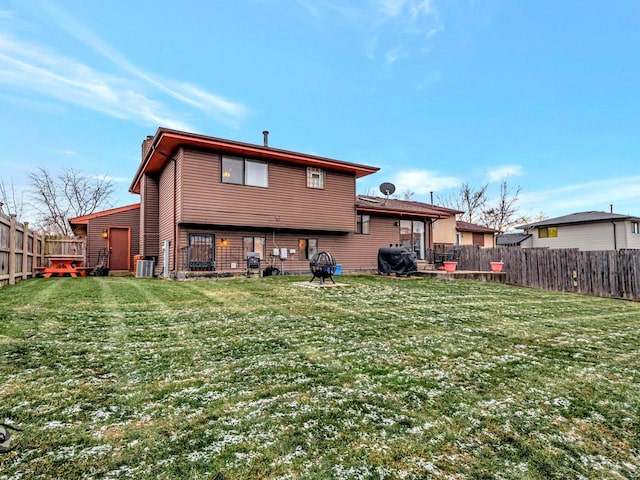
(114, 234)
(522, 240)
(472, 234)
(444, 232)
(586, 231)
(206, 203)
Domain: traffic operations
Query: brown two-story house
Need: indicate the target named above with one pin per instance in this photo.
(206, 203)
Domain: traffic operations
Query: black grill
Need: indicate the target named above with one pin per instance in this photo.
(253, 261)
(322, 265)
(398, 260)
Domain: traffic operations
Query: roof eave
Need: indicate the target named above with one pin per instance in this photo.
(166, 142)
(394, 211)
(84, 219)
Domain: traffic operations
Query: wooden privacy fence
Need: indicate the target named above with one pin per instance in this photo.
(606, 273)
(21, 250)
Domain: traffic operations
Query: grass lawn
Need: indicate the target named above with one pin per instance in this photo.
(262, 378)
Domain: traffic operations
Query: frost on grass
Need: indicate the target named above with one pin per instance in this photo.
(387, 379)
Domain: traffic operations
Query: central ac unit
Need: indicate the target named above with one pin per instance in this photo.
(144, 268)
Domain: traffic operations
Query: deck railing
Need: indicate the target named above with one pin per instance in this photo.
(64, 247)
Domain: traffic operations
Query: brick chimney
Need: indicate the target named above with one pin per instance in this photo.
(146, 145)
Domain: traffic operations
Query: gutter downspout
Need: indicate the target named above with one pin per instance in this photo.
(175, 208)
(615, 240)
(431, 222)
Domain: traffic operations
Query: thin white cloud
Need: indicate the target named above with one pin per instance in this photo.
(127, 96)
(384, 24)
(395, 54)
(505, 171)
(65, 152)
(431, 79)
(622, 193)
(416, 17)
(38, 69)
(186, 93)
(391, 8)
(411, 8)
(319, 10)
(423, 182)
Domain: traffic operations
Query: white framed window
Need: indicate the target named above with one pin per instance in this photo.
(256, 173)
(253, 244)
(363, 224)
(243, 171)
(315, 178)
(547, 232)
(307, 248)
(635, 227)
(233, 170)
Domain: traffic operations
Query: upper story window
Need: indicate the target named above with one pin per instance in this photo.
(363, 224)
(315, 178)
(635, 227)
(243, 171)
(547, 232)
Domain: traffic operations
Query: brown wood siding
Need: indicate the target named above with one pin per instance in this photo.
(353, 251)
(285, 203)
(360, 252)
(149, 228)
(166, 214)
(180, 181)
(95, 241)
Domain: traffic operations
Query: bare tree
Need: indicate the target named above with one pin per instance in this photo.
(536, 218)
(11, 201)
(478, 208)
(405, 195)
(468, 200)
(505, 213)
(369, 192)
(57, 198)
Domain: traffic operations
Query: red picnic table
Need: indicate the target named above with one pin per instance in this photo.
(64, 266)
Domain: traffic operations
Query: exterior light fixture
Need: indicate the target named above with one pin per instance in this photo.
(224, 242)
(105, 234)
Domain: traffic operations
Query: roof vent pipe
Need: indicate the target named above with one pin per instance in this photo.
(265, 134)
(611, 207)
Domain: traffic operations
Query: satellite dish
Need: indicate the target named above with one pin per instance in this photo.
(387, 188)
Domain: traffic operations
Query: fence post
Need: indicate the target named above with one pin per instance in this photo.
(42, 239)
(35, 262)
(25, 249)
(12, 250)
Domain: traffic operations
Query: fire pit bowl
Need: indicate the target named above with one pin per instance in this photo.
(322, 265)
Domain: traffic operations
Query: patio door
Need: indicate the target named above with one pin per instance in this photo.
(412, 236)
(119, 248)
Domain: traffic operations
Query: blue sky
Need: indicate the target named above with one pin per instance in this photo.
(435, 92)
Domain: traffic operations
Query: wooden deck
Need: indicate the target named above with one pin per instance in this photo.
(483, 276)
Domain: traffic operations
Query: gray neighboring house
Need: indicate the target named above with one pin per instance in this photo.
(522, 240)
(586, 231)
